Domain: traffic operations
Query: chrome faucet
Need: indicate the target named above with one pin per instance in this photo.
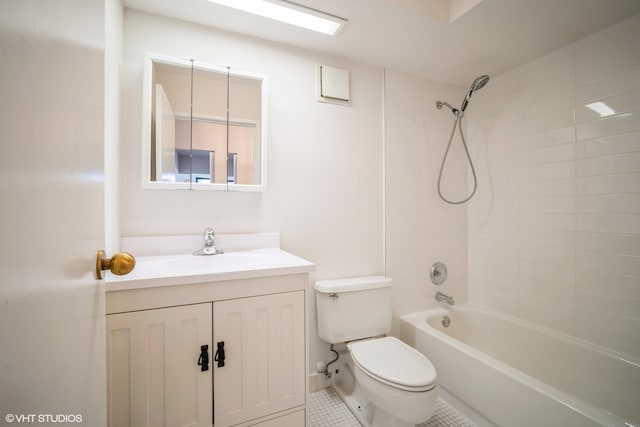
(209, 247)
(444, 298)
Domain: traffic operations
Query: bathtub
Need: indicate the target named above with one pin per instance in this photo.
(516, 373)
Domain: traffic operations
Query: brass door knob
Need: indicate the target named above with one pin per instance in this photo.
(121, 263)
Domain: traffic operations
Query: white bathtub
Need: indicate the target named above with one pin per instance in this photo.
(515, 373)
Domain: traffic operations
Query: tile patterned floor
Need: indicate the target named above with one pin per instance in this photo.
(326, 409)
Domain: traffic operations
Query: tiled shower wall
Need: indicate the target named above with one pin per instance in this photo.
(554, 231)
(420, 228)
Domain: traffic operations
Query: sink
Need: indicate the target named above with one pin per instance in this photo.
(221, 262)
(247, 256)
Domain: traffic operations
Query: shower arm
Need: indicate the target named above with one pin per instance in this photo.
(455, 111)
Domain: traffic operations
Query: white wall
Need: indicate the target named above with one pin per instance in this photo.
(325, 184)
(421, 229)
(552, 234)
(554, 231)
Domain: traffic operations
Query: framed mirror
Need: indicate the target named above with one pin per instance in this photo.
(204, 126)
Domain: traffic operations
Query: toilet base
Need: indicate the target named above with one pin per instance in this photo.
(365, 412)
(349, 393)
(382, 419)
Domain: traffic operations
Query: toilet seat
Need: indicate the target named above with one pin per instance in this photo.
(394, 363)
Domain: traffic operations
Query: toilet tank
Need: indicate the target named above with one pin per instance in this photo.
(353, 308)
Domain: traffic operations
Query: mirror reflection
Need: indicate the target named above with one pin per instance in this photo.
(205, 126)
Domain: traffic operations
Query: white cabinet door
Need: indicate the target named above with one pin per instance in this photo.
(153, 377)
(264, 366)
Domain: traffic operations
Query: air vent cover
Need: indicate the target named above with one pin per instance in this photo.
(333, 85)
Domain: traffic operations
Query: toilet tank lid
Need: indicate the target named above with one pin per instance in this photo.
(352, 284)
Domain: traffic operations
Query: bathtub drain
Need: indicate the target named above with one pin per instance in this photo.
(446, 321)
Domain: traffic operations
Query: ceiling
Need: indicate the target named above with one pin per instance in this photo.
(491, 38)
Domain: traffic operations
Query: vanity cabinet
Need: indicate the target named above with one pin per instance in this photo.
(264, 368)
(152, 371)
(155, 339)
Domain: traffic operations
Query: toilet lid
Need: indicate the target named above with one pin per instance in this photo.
(393, 361)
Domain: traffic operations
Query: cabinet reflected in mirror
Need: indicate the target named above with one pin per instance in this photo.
(203, 126)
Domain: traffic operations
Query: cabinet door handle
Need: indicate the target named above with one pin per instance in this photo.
(219, 357)
(203, 361)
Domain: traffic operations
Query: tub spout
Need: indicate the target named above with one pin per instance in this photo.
(444, 298)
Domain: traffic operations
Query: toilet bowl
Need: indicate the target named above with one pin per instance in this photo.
(397, 379)
(397, 382)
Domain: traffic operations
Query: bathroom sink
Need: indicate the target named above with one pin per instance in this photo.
(246, 256)
(220, 262)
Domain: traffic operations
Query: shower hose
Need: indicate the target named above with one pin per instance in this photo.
(458, 122)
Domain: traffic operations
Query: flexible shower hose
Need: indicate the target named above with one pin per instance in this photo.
(458, 121)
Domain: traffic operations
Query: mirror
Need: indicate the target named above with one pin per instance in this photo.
(203, 126)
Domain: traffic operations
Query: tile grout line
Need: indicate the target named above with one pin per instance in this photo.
(327, 409)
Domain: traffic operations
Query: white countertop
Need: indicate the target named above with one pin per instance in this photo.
(181, 269)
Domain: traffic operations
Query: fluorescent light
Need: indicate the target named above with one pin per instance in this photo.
(289, 13)
(601, 108)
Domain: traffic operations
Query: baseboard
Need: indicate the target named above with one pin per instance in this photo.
(317, 382)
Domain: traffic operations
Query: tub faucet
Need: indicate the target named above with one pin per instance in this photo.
(209, 247)
(444, 298)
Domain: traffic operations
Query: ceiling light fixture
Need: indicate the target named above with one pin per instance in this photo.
(289, 13)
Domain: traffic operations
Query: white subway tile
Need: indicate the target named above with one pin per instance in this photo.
(612, 125)
(628, 244)
(548, 311)
(499, 226)
(554, 232)
(627, 265)
(616, 164)
(499, 278)
(545, 139)
(552, 238)
(609, 204)
(556, 170)
(548, 221)
(620, 333)
(558, 153)
(547, 254)
(609, 223)
(556, 111)
(548, 204)
(618, 84)
(549, 286)
(615, 293)
(554, 187)
(505, 301)
(608, 106)
(545, 271)
(608, 145)
(609, 184)
(494, 195)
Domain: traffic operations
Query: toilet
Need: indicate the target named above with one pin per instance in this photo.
(392, 382)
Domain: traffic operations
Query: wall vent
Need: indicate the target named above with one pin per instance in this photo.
(333, 85)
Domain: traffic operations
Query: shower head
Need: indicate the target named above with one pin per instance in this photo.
(477, 84)
(480, 82)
